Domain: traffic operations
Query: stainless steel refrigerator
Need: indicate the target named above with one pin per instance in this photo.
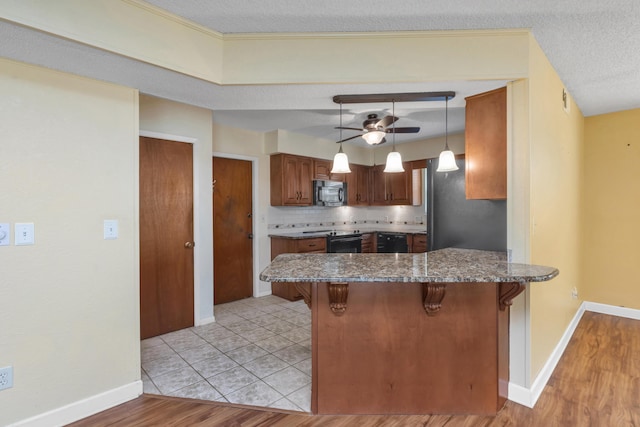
(455, 222)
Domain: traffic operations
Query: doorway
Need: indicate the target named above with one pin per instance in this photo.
(232, 229)
(166, 236)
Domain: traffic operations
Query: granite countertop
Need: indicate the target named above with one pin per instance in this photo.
(445, 266)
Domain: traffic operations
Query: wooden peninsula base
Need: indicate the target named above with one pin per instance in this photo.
(385, 354)
(408, 333)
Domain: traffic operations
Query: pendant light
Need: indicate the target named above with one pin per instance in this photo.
(447, 160)
(394, 161)
(340, 161)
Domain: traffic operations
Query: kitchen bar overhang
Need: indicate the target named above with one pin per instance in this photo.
(408, 333)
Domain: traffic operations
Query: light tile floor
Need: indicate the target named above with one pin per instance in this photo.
(258, 352)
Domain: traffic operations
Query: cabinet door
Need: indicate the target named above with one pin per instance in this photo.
(321, 169)
(379, 186)
(291, 180)
(486, 145)
(362, 184)
(399, 187)
(391, 188)
(305, 181)
(357, 185)
(367, 243)
(419, 243)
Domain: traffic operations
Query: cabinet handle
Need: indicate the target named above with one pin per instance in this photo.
(313, 244)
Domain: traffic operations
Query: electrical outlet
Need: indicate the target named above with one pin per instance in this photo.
(6, 377)
(574, 293)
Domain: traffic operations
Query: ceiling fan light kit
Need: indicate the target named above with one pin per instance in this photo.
(373, 137)
(447, 160)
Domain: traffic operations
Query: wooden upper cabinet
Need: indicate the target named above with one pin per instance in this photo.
(486, 145)
(322, 169)
(357, 185)
(391, 188)
(291, 178)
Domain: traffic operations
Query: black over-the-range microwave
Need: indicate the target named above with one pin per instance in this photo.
(329, 193)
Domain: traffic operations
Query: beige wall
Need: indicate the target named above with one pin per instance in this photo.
(69, 322)
(169, 119)
(611, 230)
(556, 149)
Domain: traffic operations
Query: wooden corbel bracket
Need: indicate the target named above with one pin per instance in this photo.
(432, 296)
(305, 289)
(508, 291)
(338, 294)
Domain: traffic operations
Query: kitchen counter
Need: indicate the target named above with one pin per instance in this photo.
(408, 333)
(363, 230)
(442, 266)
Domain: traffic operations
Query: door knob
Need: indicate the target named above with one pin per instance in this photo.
(189, 245)
(249, 235)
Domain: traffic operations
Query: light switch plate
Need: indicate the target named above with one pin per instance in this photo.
(110, 229)
(5, 234)
(24, 233)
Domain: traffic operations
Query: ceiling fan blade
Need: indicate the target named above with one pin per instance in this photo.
(403, 130)
(386, 121)
(347, 139)
(342, 127)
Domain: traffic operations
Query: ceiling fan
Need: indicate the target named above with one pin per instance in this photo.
(375, 129)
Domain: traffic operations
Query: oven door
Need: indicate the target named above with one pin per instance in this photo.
(351, 244)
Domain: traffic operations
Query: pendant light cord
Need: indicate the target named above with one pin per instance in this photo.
(340, 151)
(446, 124)
(393, 113)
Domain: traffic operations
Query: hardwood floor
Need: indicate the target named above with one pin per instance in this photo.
(596, 383)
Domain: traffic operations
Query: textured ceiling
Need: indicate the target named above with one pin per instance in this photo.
(592, 45)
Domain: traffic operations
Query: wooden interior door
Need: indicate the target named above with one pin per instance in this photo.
(166, 236)
(232, 230)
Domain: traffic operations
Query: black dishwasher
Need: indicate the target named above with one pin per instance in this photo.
(392, 243)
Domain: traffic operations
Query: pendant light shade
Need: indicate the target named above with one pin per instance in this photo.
(373, 137)
(340, 163)
(447, 160)
(340, 160)
(394, 160)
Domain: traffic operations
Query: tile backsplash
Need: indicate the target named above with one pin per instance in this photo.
(344, 216)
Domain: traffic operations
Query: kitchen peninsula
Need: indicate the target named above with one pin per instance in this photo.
(408, 333)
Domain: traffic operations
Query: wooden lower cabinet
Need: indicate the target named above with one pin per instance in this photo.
(286, 245)
(418, 243)
(368, 243)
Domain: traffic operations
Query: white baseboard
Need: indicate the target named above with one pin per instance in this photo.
(84, 408)
(262, 294)
(206, 320)
(529, 396)
(613, 310)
